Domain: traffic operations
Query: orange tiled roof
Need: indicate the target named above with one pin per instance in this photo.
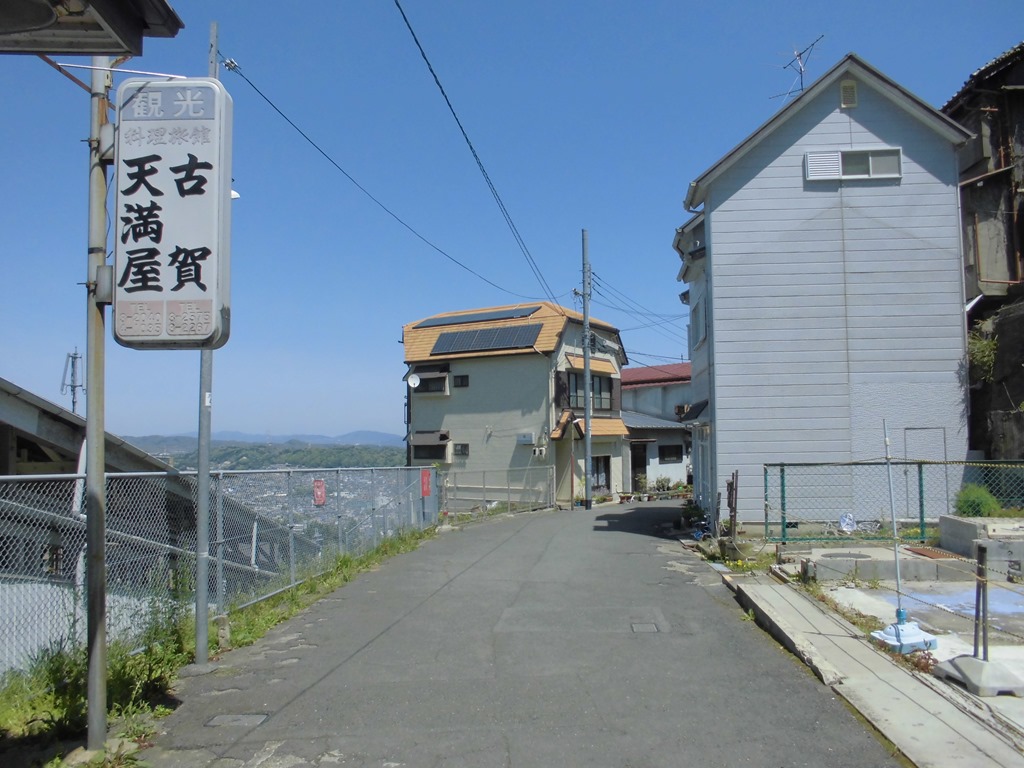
(418, 342)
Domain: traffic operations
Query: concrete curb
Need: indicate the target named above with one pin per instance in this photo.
(790, 638)
(932, 727)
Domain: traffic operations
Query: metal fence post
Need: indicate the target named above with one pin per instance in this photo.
(766, 505)
(291, 529)
(337, 495)
(508, 490)
(782, 499)
(221, 586)
(920, 499)
(981, 600)
(373, 508)
(483, 491)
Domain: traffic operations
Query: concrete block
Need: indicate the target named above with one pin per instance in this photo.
(958, 534)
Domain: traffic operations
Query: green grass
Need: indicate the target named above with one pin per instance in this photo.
(46, 703)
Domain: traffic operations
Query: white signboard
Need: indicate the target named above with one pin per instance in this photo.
(172, 221)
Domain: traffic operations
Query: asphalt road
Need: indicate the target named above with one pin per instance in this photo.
(572, 638)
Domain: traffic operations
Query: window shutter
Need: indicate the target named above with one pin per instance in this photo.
(822, 165)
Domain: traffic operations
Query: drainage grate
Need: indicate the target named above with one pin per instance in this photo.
(645, 627)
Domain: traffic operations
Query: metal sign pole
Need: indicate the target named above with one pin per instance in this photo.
(95, 429)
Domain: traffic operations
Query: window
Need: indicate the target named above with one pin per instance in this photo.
(431, 379)
(430, 452)
(462, 449)
(853, 164)
(600, 472)
(670, 454)
(435, 384)
(461, 381)
(600, 388)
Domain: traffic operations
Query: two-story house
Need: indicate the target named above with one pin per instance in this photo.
(655, 405)
(825, 287)
(502, 388)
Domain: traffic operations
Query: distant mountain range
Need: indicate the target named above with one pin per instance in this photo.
(169, 444)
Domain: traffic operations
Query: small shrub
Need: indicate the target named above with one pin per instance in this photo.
(692, 514)
(976, 501)
(981, 352)
(662, 483)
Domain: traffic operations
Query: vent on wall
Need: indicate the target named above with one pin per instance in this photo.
(848, 94)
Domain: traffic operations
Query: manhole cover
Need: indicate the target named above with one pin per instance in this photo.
(847, 555)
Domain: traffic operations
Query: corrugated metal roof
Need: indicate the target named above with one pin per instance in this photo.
(635, 420)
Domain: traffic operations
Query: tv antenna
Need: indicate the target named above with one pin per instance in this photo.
(799, 65)
(71, 366)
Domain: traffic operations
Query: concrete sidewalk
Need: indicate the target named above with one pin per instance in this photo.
(933, 723)
(571, 638)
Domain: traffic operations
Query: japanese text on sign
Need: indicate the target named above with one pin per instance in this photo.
(173, 213)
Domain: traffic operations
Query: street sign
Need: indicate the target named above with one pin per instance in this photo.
(173, 214)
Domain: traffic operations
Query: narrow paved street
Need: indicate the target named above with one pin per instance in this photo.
(574, 638)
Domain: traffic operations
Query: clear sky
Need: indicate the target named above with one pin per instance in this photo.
(586, 114)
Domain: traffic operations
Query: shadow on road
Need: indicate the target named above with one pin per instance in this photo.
(651, 519)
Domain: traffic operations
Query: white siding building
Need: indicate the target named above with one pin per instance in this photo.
(825, 287)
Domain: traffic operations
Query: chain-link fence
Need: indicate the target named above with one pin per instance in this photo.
(469, 493)
(268, 530)
(821, 501)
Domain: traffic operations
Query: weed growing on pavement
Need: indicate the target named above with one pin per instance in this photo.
(863, 622)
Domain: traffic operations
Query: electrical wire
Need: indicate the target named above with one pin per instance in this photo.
(640, 313)
(233, 66)
(483, 171)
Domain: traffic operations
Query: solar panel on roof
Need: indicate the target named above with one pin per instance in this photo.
(477, 317)
(484, 339)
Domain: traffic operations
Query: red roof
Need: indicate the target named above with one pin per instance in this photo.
(653, 375)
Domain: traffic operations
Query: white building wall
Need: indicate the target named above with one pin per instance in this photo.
(836, 304)
(507, 396)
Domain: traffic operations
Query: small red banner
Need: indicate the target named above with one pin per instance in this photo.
(319, 493)
(424, 482)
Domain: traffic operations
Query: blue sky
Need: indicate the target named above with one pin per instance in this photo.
(587, 115)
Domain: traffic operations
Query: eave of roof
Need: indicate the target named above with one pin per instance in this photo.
(851, 64)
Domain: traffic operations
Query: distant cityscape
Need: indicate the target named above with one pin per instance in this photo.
(243, 451)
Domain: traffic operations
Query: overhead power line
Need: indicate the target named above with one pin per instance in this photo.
(483, 171)
(622, 303)
(233, 66)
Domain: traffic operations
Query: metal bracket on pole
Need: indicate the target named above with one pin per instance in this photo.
(104, 293)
